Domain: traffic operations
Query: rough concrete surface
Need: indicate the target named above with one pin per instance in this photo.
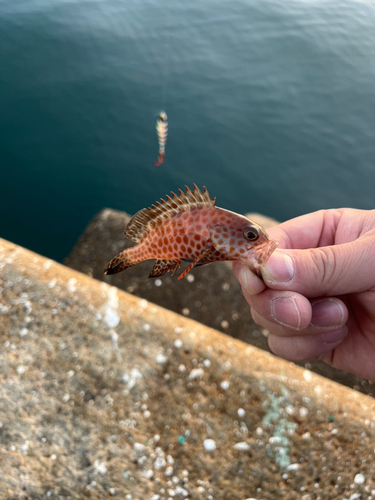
(103, 394)
(208, 294)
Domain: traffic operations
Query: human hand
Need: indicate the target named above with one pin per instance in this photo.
(318, 294)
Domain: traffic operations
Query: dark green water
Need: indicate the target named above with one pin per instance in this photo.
(271, 105)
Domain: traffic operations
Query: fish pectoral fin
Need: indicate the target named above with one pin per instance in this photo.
(220, 237)
(196, 261)
(163, 266)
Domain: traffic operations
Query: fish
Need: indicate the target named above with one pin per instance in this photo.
(189, 227)
(162, 133)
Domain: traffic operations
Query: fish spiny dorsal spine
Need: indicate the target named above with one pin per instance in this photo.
(148, 218)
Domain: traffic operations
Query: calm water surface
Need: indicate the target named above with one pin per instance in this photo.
(271, 105)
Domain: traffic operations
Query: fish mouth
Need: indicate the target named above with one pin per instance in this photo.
(261, 253)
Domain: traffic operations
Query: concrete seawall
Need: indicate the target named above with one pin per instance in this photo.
(104, 394)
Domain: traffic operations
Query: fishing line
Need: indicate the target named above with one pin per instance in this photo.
(166, 74)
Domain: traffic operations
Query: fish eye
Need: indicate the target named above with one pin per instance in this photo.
(251, 233)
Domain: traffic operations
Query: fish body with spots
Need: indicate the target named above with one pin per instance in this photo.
(189, 227)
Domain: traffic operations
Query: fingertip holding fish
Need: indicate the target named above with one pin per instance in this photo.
(189, 227)
(248, 280)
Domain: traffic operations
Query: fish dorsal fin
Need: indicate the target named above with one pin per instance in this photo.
(148, 218)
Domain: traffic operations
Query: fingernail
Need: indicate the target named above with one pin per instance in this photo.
(279, 268)
(336, 336)
(284, 311)
(326, 313)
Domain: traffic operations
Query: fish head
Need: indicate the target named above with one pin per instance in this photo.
(240, 238)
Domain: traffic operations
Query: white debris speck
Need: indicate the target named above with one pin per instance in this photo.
(70, 373)
(190, 278)
(303, 411)
(47, 264)
(25, 448)
(241, 412)
(53, 456)
(209, 445)
(99, 467)
(146, 327)
(186, 311)
(275, 440)
(178, 330)
(66, 397)
(206, 363)
(224, 324)
(21, 369)
(181, 491)
(161, 358)
(182, 368)
(155, 497)
(292, 467)
(147, 414)
(178, 343)
(225, 286)
(196, 373)
(72, 285)
(265, 332)
(111, 318)
(112, 491)
(52, 283)
(243, 446)
(359, 479)
(3, 309)
(259, 431)
(139, 448)
(114, 338)
(307, 375)
(148, 474)
(290, 410)
(158, 282)
(170, 460)
(131, 379)
(168, 471)
(306, 435)
(23, 332)
(143, 303)
(224, 385)
(160, 463)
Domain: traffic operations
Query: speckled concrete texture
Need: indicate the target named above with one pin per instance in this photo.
(208, 294)
(103, 394)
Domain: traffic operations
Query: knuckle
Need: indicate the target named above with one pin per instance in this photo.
(324, 265)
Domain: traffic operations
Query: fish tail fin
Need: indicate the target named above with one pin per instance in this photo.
(160, 160)
(119, 263)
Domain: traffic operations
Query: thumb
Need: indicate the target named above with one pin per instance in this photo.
(330, 270)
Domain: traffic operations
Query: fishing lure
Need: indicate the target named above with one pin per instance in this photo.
(162, 132)
(189, 227)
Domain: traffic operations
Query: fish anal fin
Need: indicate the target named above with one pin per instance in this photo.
(163, 266)
(148, 218)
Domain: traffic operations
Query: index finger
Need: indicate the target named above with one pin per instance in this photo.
(307, 231)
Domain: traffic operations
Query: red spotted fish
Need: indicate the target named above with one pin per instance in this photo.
(162, 133)
(189, 227)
